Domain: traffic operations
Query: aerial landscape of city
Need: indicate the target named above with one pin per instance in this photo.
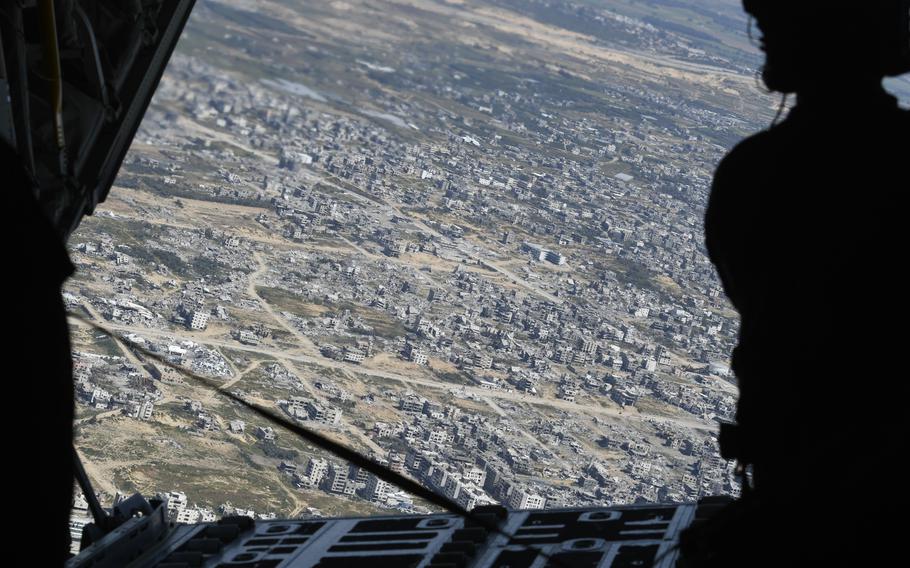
(463, 237)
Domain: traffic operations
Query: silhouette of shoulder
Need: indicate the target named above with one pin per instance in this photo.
(779, 196)
(733, 205)
(802, 165)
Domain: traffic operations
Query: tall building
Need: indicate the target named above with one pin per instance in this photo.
(199, 320)
(146, 409)
(521, 499)
(337, 480)
(416, 355)
(376, 490)
(316, 470)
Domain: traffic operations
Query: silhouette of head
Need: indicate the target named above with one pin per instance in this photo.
(816, 45)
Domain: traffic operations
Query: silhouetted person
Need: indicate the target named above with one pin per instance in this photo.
(38, 386)
(807, 226)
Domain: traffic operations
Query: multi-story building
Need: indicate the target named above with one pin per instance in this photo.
(416, 355)
(316, 470)
(337, 480)
(199, 320)
(353, 355)
(145, 410)
(521, 499)
(376, 490)
(176, 500)
(411, 403)
(323, 413)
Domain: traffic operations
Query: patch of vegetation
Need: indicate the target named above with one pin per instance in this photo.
(272, 450)
(212, 269)
(212, 486)
(158, 187)
(281, 336)
(637, 274)
(246, 357)
(106, 345)
(288, 301)
(169, 259)
(383, 324)
(456, 377)
(250, 462)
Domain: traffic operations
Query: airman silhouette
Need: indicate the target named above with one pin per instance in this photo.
(39, 389)
(806, 227)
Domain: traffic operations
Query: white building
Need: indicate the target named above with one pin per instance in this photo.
(474, 475)
(265, 433)
(437, 436)
(471, 496)
(377, 490)
(323, 413)
(195, 515)
(540, 253)
(416, 355)
(521, 499)
(316, 470)
(176, 501)
(77, 522)
(555, 257)
(145, 410)
(337, 480)
(247, 337)
(353, 355)
(411, 403)
(199, 320)
(187, 516)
